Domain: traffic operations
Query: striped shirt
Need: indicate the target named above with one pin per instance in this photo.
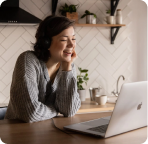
(32, 95)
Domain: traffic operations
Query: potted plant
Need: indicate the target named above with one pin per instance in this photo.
(70, 12)
(90, 17)
(109, 19)
(80, 80)
(108, 12)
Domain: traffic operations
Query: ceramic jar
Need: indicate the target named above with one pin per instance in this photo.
(82, 94)
(119, 16)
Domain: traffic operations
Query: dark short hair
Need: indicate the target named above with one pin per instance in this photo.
(52, 25)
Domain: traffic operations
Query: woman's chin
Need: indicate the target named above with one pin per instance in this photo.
(67, 59)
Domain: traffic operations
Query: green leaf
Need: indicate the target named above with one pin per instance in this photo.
(84, 71)
(66, 5)
(83, 16)
(80, 79)
(87, 12)
(108, 11)
(86, 74)
(81, 82)
(79, 69)
(81, 87)
(72, 8)
(85, 78)
(95, 16)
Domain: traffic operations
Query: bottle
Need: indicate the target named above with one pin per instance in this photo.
(119, 16)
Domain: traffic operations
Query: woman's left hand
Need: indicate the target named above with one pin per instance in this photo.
(73, 56)
(66, 66)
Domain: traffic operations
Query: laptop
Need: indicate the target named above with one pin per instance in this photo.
(130, 112)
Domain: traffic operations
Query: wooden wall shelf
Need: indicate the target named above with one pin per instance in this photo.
(99, 25)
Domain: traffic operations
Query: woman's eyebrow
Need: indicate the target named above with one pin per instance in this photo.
(66, 36)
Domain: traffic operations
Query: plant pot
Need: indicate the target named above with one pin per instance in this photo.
(90, 19)
(82, 94)
(72, 16)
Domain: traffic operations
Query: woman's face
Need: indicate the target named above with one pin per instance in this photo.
(65, 41)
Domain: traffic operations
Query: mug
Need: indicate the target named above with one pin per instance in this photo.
(101, 100)
(110, 20)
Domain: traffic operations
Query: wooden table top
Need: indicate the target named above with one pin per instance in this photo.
(44, 132)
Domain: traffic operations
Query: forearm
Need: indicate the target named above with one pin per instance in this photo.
(67, 97)
(26, 105)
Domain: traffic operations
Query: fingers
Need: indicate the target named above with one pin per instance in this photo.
(74, 52)
(74, 55)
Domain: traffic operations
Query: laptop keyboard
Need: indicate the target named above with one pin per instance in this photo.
(101, 128)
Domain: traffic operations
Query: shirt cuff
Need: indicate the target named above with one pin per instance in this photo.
(67, 74)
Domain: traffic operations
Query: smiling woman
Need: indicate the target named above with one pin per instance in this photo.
(44, 81)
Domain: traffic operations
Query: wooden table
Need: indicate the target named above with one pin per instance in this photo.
(44, 132)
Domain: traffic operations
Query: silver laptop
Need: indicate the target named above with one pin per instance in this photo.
(130, 112)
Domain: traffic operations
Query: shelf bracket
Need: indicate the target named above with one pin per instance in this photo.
(54, 6)
(114, 6)
(113, 36)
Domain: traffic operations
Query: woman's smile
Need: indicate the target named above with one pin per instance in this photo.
(67, 53)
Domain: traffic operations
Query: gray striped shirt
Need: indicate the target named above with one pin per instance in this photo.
(32, 95)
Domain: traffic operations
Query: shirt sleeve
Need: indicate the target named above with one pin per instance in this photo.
(67, 98)
(24, 93)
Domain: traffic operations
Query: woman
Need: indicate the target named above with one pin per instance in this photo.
(44, 80)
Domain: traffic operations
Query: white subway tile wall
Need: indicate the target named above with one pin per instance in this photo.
(104, 61)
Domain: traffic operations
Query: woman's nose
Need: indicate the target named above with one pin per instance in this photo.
(70, 44)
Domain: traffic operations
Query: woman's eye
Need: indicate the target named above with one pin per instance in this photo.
(66, 40)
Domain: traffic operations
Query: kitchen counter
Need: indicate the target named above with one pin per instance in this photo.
(90, 106)
(3, 104)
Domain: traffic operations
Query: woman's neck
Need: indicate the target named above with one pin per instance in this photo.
(52, 66)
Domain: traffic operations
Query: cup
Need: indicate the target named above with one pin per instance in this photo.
(110, 20)
(101, 100)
